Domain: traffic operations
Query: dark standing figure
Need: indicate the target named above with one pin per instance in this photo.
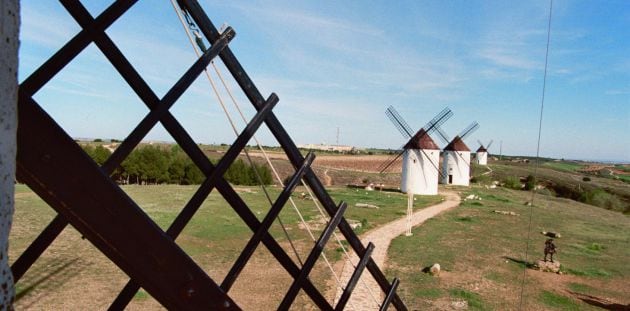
(550, 249)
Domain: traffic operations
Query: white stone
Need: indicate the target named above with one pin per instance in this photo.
(435, 269)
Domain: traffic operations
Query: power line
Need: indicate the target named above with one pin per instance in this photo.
(537, 163)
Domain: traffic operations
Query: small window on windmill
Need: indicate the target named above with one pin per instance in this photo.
(414, 160)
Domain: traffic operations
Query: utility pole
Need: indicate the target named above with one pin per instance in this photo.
(501, 151)
(337, 136)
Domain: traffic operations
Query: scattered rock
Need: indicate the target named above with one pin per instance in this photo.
(506, 213)
(435, 269)
(548, 266)
(365, 205)
(354, 224)
(528, 203)
(493, 186)
(304, 196)
(369, 187)
(551, 234)
(472, 197)
(459, 305)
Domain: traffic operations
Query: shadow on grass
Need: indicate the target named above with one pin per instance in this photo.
(45, 277)
(599, 302)
(521, 262)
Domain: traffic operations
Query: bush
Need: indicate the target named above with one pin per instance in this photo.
(586, 179)
(512, 183)
(530, 182)
(241, 174)
(480, 179)
(601, 198)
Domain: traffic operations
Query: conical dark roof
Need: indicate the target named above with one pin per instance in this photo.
(421, 140)
(457, 144)
(482, 149)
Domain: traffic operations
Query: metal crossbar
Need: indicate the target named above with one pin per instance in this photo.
(85, 196)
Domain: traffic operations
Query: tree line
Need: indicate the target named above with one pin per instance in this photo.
(149, 164)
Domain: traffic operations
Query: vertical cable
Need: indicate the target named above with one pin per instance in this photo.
(537, 163)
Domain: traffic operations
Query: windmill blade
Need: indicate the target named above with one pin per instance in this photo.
(489, 144)
(438, 120)
(469, 130)
(480, 143)
(406, 133)
(399, 119)
(402, 121)
(385, 165)
(443, 137)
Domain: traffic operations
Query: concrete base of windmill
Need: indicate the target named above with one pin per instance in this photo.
(408, 234)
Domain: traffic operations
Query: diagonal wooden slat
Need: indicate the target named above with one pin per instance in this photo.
(37, 247)
(273, 213)
(54, 166)
(288, 146)
(149, 121)
(312, 258)
(390, 295)
(70, 50)
(345, 296)
(89, 213)
(202, 192)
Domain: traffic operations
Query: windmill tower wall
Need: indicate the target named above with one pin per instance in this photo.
(456, 168)
(482, 158)
(419, 176)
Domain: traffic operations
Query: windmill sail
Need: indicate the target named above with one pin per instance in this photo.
(468, 130)
(403, 127)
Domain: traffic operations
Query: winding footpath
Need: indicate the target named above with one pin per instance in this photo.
(367, 290)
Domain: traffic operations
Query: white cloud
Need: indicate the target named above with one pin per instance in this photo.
(51, 29)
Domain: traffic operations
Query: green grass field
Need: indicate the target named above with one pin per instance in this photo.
(482, 255)
(214, 238)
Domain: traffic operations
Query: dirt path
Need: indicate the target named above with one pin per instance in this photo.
(367, 289)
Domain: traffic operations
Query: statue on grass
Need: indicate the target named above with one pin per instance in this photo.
(550, 249)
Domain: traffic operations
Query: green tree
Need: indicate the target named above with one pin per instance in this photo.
(193, 175)
(99, 153)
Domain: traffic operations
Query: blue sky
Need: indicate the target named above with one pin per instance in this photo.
(340, 64)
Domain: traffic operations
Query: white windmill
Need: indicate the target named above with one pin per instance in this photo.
(456, 161)
(421, 158)
(482, 153)
(421, 155)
